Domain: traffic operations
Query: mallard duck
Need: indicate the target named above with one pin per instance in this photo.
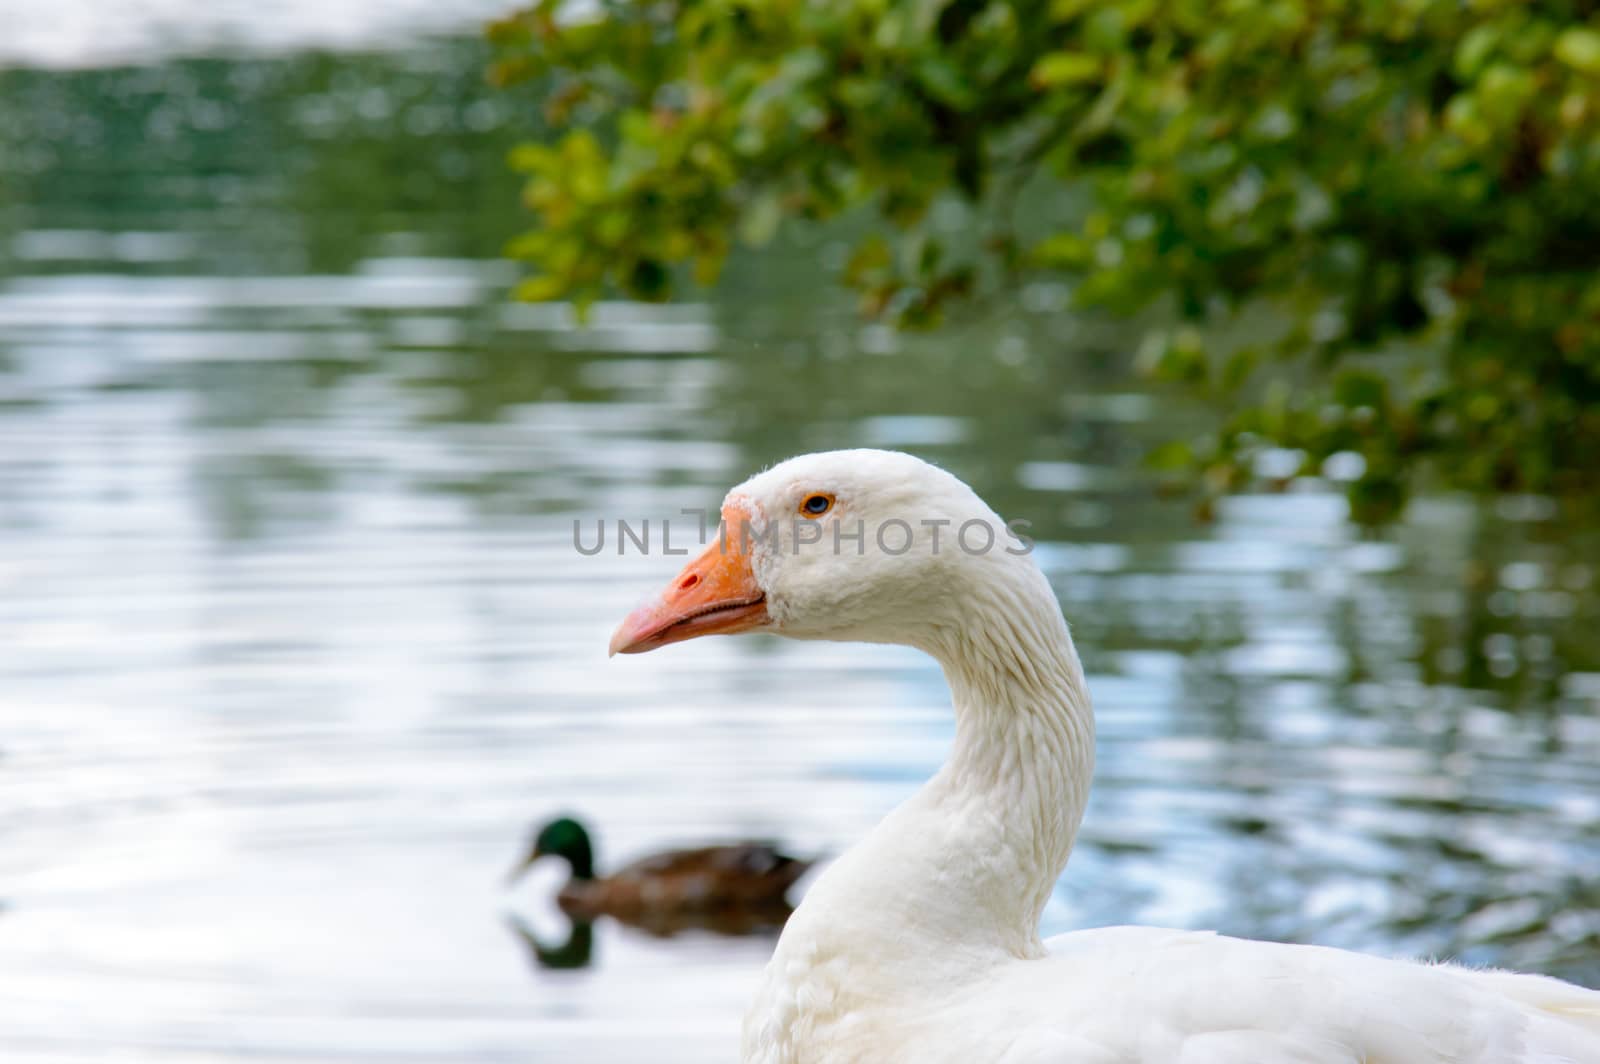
(735, 888)
(921, 943)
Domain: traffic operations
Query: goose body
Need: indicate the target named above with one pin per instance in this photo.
(921, 943)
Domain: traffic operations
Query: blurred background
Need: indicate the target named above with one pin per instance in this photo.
(295, 647)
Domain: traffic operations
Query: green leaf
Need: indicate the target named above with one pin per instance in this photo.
(943, 80)
(1065, 68)
(1475, 48)
(1066, 10)
(529, 158)
(1064, 251)
(1174, 456)
(1579, 48)
(540, 289)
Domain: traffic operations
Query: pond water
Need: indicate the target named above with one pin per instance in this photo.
(295, 646)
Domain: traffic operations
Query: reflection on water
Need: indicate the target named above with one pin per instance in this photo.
(296, 643)
(576, 950)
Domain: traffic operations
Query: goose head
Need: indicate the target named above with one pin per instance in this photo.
(860, 545)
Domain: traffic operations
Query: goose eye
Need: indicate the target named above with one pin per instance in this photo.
(816, 505)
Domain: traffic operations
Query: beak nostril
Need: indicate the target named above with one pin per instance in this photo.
(689, 581)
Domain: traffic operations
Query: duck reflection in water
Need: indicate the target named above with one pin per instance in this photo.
(576, 951)
(736, 889)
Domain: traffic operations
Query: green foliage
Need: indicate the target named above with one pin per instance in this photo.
(1403, 189)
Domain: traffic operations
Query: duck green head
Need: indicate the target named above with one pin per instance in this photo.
(565, 838)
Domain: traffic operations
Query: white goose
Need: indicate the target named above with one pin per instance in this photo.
(920, 944)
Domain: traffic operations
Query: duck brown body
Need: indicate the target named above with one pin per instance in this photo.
(749, 877)
(733, 889)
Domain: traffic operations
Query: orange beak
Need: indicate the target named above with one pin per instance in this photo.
(716, 594)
